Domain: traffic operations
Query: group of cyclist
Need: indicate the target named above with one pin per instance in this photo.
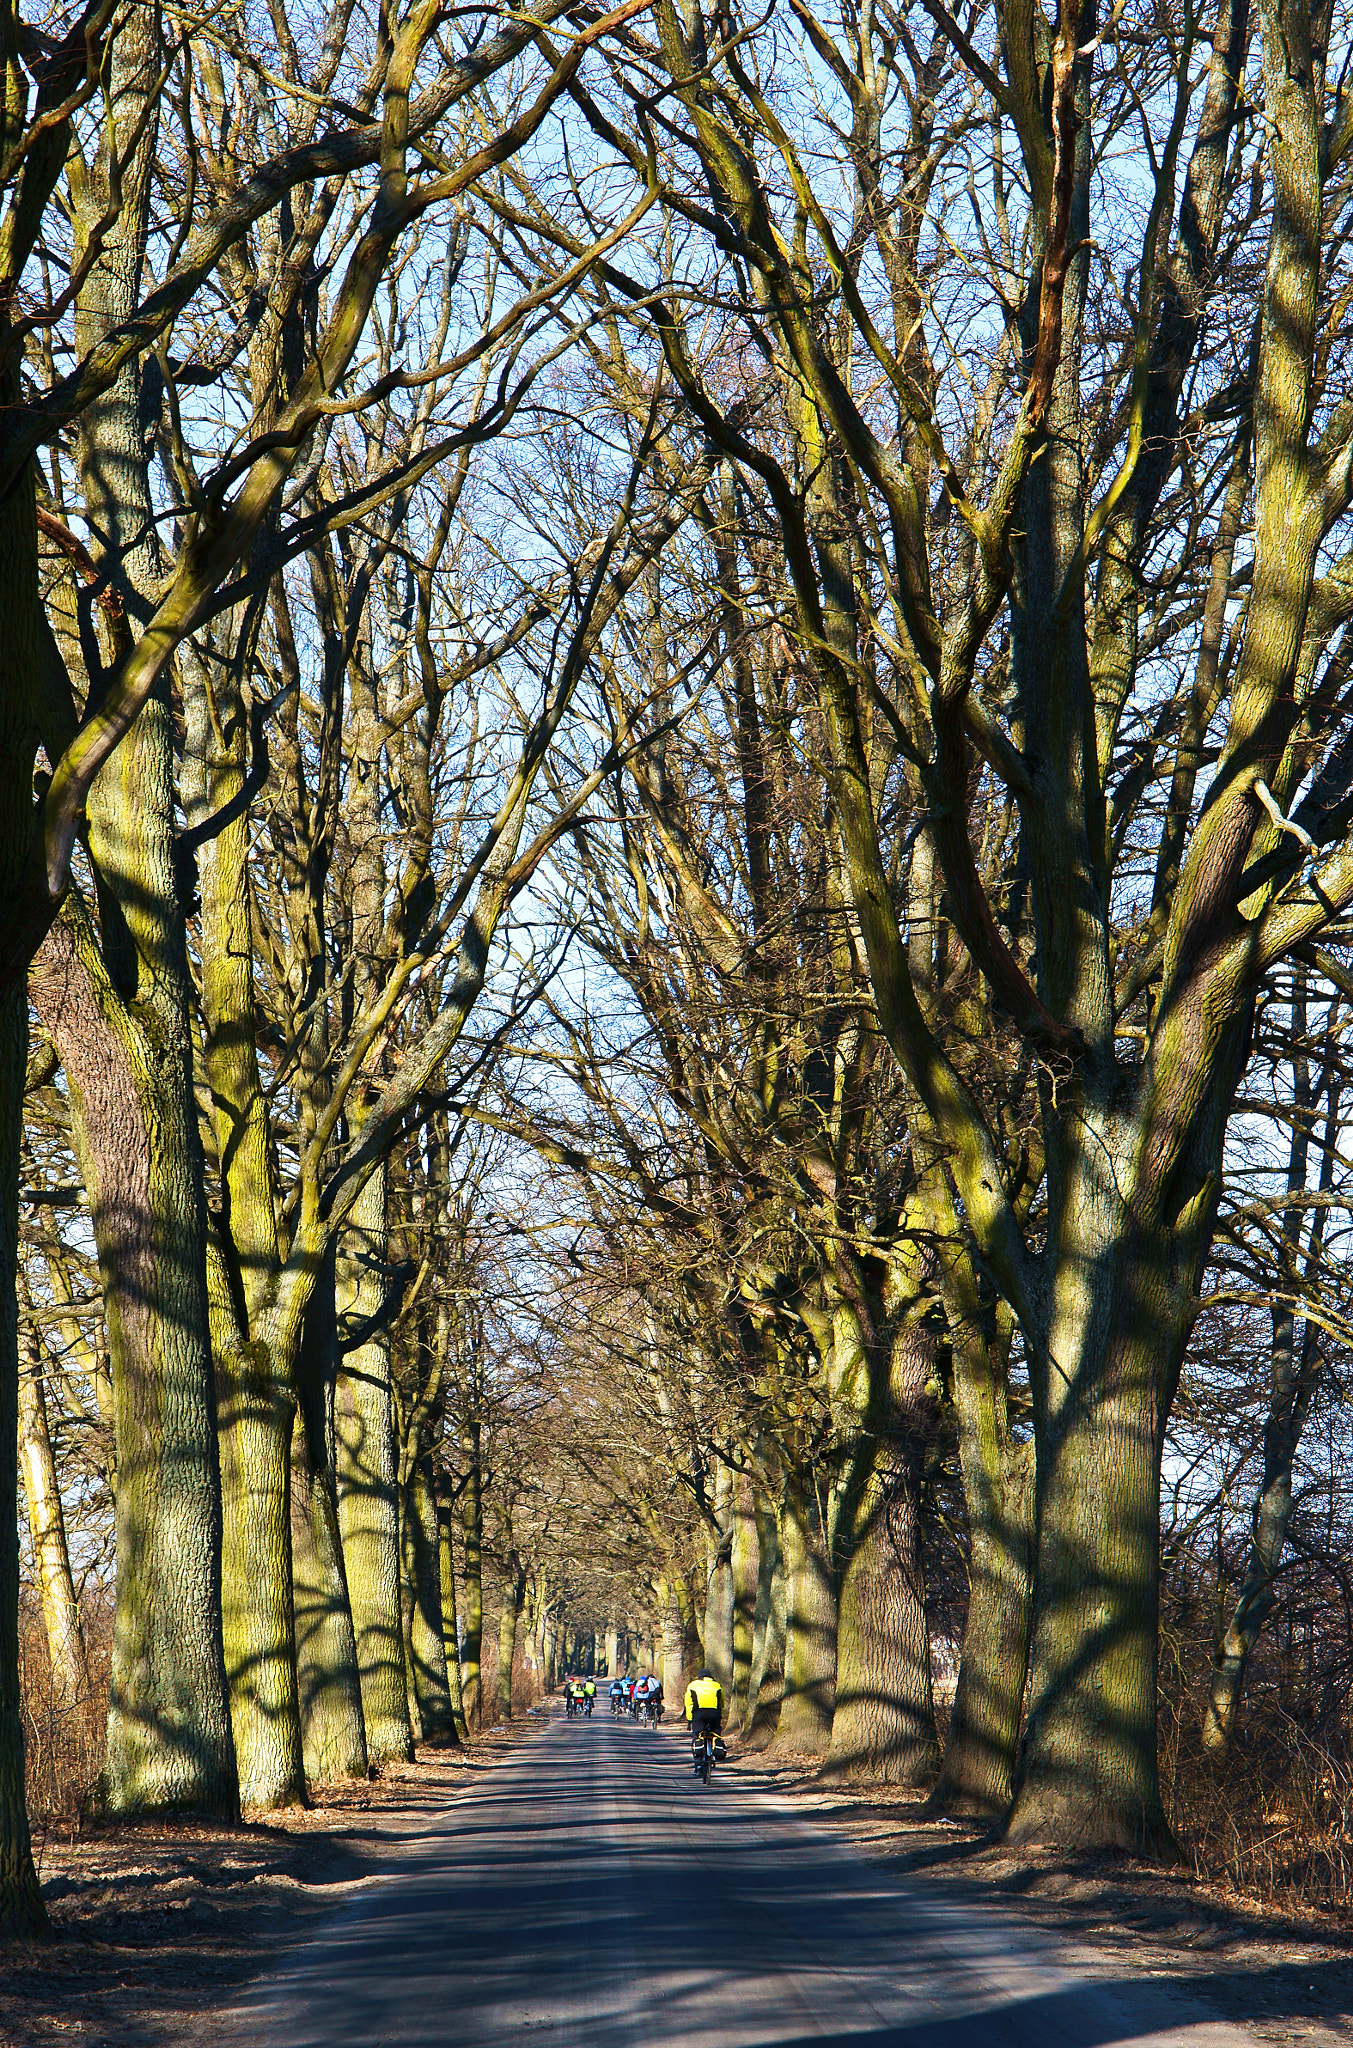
(641, 1699)
(579, 1696)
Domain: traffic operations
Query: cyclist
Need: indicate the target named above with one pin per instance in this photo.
(573, 1696)
(653, 1701)
(589, 1694)
(703, 1706)
(617, 1695)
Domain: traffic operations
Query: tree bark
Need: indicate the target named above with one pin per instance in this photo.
(978, 1772)
(368, 1508)
(254, 1420)
(744, 1564)
(766, 1687)
(426, 1649)
(805, 1723)
(883, 1723)
(514, 1594)
(135, 1133)
(450, 1623)
(473, 1524)
(718, 1628)
(47, 1527)
(328, 1681)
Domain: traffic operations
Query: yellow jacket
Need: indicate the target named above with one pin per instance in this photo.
(704, 1692)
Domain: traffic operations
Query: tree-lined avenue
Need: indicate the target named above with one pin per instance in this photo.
(616, 1901)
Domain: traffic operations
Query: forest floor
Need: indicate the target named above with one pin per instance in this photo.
(158, 1927)
(1286, 1976)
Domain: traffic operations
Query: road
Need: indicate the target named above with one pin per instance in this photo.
(589, 1892)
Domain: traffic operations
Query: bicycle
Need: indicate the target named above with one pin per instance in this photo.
(708, 1749)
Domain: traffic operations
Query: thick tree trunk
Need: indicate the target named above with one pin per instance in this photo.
(47, 1527)
(328, 1682)
(1088, 1768)
(883, 1723)
(135, 1131)
(810, 1622)
(978, 1773)
(257, 1618)
(368, 1507)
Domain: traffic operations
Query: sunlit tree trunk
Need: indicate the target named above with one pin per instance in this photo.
(254, 1414)
(47, 1528)
(135, 1134)
(368, 1507)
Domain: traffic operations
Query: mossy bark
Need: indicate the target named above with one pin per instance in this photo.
(805, 1722)
(368, 1504)
(883, 1720)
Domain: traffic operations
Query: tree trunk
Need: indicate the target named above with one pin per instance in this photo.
(47, 1526)
(368, 1508)
(718, 1629)
(134, 1125)
(883, 1723)
(765, 1691)
(426, 1647)
(257, 1619)
(978, 1773)
(1088, 1770)
(514, 1594)
(450, 1621)
(22, 652)
(328, 1683)
(473, 1522)
(744, 1566)
(805, 1723)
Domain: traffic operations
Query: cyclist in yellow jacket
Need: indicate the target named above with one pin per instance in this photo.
(704, 1704)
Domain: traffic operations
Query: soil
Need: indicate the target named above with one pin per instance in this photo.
(1282, 1976)
(155, 1927)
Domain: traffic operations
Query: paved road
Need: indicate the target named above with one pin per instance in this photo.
(590, 1893)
